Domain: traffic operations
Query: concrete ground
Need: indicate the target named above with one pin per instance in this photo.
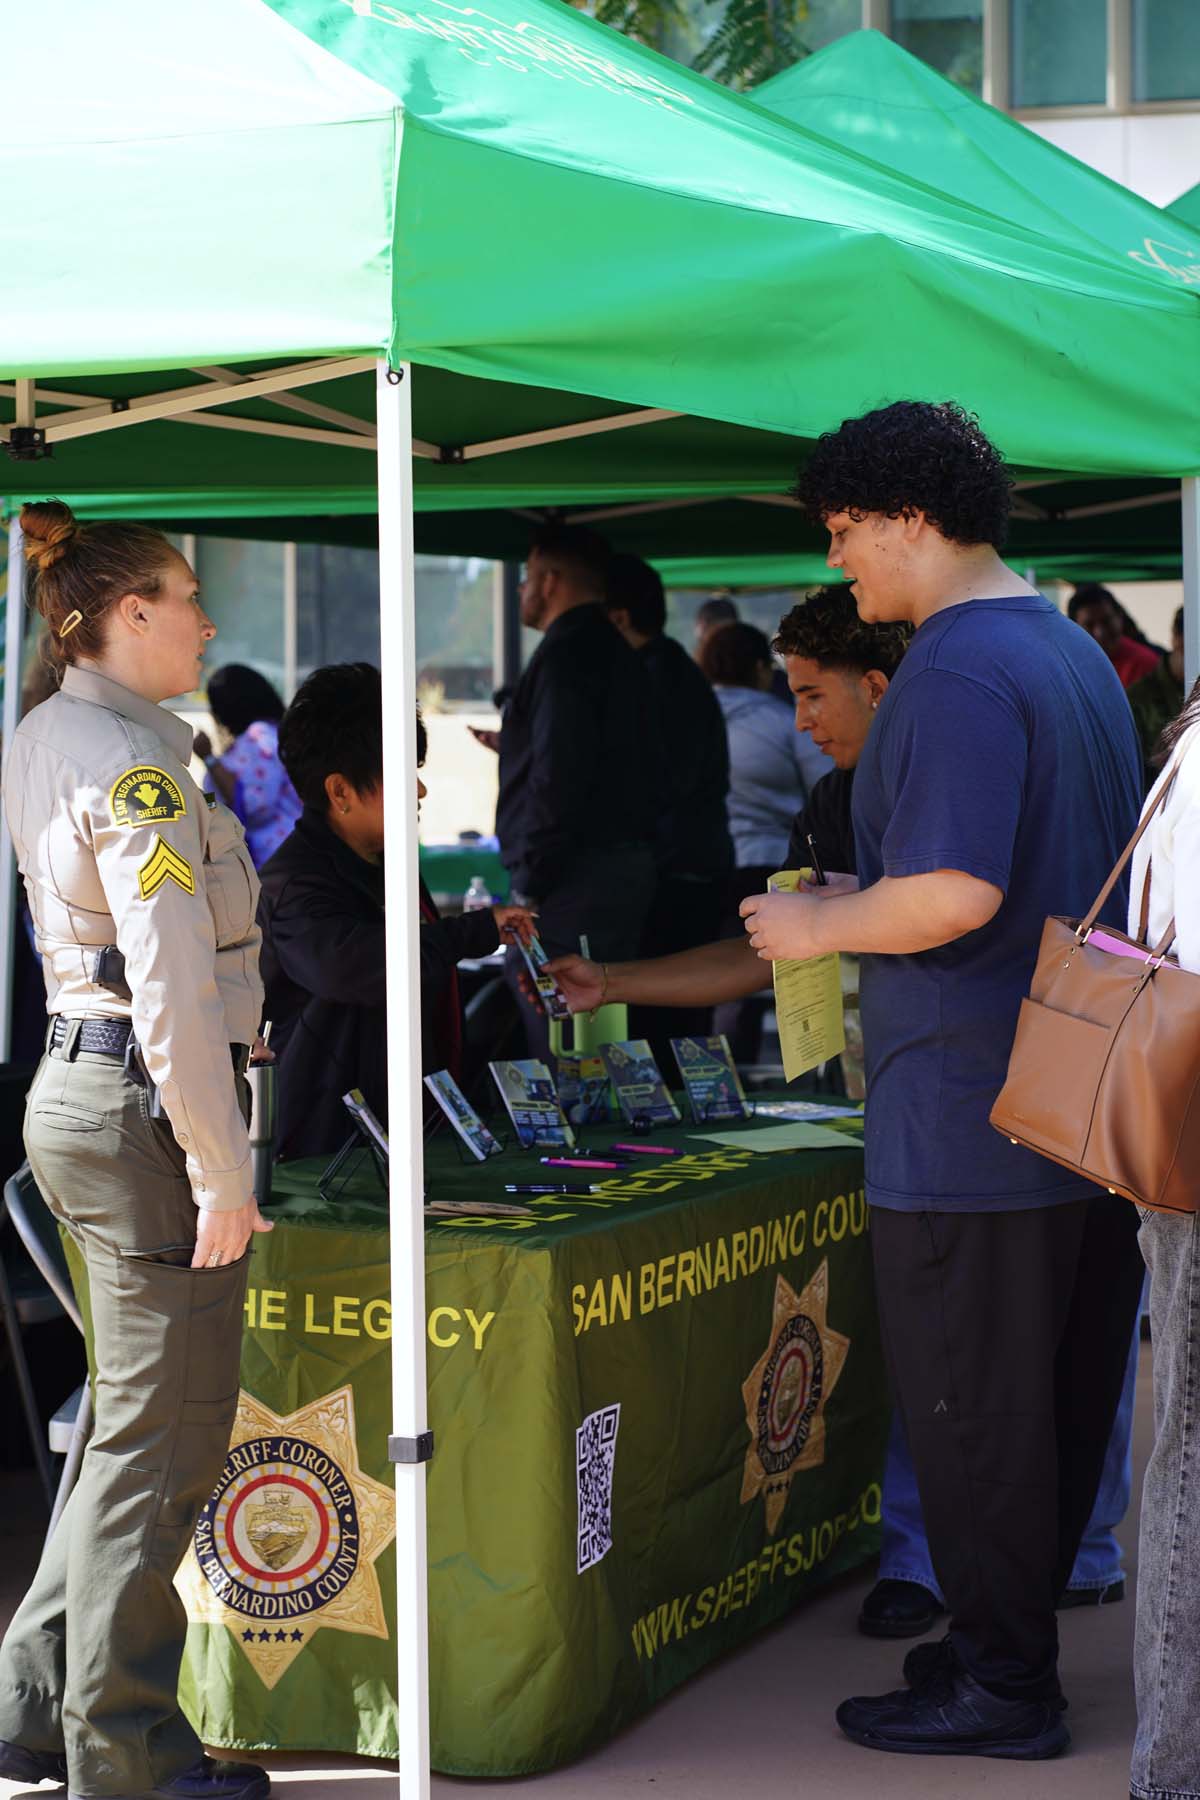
(760, 1723)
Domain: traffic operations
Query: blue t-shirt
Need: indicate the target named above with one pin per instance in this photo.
(1004, 748)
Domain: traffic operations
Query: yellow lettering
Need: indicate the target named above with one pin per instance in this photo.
(478, 1326)
(310, 1323)
(381, 1311)
(795, 1554)
(272, 1309)
(646, 1288)
(685, 1278)
(739, 1254)
(621, 1302)
(251, 1307)
(721, 1263)
(821, 1223)
(597, 1312)
(777, 1245)
(436, 1316)
(758, 1248)
(703, 1607)
(577, 1293)
(858, 1213)
(704, 1267)
(872, 1504)
(824, 1540)
(798, 1235)
(666, 1277)
(839, 1218)
(737, 1598)
(345, 1315)
(722, 1603)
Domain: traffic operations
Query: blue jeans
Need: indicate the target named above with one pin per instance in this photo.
(904, 1553)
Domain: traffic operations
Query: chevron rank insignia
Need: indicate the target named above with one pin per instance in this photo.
(146, 796)
(162, 865)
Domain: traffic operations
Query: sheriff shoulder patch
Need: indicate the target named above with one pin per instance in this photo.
(146, 796)
(162, 865)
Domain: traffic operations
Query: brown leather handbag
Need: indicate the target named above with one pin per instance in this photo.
(1104, 1075)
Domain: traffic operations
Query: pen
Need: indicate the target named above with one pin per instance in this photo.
(818, 872)
(581, 1162)
(536, 1187)
(646, 1149)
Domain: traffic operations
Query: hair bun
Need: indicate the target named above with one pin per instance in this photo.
(48, 527)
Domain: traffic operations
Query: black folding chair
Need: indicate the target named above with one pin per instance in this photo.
(71, 1425)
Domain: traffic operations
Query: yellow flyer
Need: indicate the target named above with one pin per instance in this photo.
(808, 998)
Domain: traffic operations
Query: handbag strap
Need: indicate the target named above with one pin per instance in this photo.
(1119, 870)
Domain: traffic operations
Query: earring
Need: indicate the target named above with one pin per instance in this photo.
(345, 809)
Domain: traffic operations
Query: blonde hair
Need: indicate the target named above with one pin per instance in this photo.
(80, 571)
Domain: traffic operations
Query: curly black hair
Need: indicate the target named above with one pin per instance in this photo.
(826, 628)
(912, 455)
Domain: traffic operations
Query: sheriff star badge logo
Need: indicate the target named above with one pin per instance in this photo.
(787, 1390)
(288, 1541)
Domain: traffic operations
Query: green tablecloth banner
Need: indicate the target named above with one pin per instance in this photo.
(448, 868)
(659, 1412)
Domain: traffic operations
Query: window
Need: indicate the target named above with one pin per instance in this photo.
(241, 590)
(1059, 52)
(947, 34)
(1166, 50)
(820, 21)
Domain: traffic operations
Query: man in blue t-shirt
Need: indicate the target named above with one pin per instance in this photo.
(999, 785)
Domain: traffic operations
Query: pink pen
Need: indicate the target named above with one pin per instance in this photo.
(647, 1149)
(579, 1162)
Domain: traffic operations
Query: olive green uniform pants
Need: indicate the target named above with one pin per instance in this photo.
(90, 1663)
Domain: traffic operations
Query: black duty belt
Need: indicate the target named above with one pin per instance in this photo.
(111, 1037)
(100, 1037)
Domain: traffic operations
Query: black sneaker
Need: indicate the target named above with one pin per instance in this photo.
(209, 1779)
(954, 1716)
(1105, 1596)
(898, 1609)
(929, 1660)
(19, 1764)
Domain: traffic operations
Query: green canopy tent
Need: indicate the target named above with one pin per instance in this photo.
(1187, 207)
(247, 223)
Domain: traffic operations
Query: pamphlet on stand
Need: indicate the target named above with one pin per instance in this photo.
(583, 1088)
(368, 1135)
(530, 1098)
(641, 1092)
(710, 1078)
(808, 999)
(468, 1126)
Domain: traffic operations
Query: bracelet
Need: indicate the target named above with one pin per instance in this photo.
(603, 990)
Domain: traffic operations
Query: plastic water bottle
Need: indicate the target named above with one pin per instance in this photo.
(477, 896)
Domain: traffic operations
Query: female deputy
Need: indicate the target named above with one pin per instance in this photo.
(143, 900)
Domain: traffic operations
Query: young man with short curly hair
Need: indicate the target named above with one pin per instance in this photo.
(999, 784)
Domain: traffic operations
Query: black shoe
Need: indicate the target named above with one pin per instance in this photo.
(209, 1779)
(929, 1660)
(954, 1716)
(19, 1764)
(898, 1609)
(1105, 1596)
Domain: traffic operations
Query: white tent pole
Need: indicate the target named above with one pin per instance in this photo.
(409, 1446)
(1190, 497)
(14, 637)
(290, 620)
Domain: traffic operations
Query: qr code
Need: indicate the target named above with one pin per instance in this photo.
(595, 1453)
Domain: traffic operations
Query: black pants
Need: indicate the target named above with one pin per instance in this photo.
(1006, 1336)
(604, 895)
(686, 913)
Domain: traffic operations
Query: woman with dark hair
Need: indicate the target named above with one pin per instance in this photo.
(323, 922)
(248, 774)
(1166, 1756)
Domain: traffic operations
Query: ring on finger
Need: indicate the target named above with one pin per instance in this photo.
(214, 1261)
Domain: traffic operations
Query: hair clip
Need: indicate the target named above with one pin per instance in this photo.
(68, 625)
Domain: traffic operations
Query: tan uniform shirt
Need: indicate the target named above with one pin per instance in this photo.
(117, 845)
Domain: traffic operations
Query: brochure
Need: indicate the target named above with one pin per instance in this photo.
(583, 1089)
(550, 996)
(462, 1115)
(710, 1078)
(808, 999)
(529, 1095)
(638, 1084)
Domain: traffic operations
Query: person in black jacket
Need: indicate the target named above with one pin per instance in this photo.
(838, 670)
(693, 846)
(323, 922)
(581, 765)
